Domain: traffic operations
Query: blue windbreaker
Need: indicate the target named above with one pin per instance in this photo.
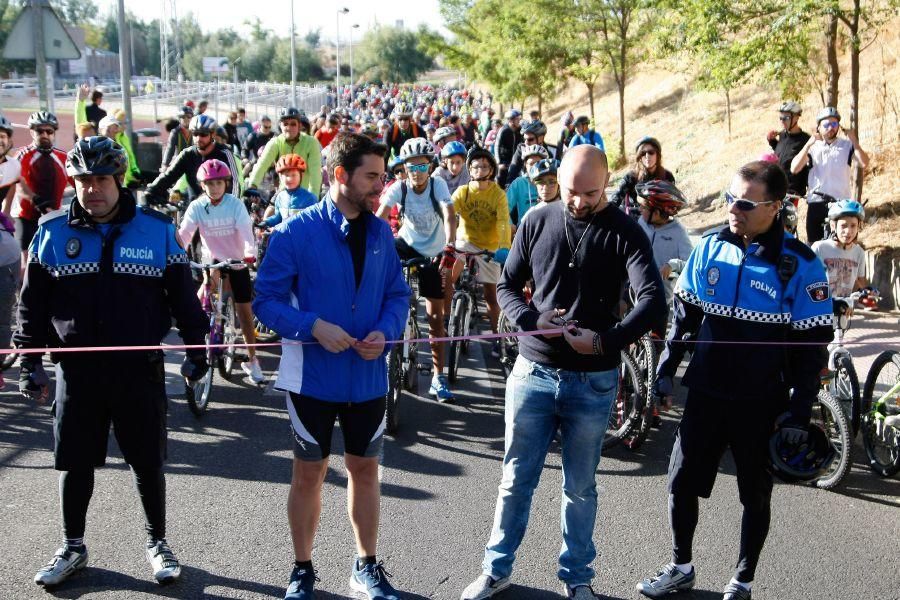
(307, 275)
(288, 203)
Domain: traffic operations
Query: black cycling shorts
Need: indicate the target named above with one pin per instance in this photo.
(93, 392)
(241, 288)
(312, 422)
(431, 284)
(25, 230)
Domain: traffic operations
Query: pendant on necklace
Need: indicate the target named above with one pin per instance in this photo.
(572, 265)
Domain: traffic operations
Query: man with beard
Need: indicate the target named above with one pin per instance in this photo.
(331, 276)
(404, 129)
(43, 178)
(189, 160)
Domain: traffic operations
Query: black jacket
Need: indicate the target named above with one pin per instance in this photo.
(187, 163)
(786, 147)
(94, 114)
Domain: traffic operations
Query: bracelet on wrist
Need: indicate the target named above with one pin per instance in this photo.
(598, 348)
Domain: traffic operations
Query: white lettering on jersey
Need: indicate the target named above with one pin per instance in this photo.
(763, 287)
(139, 253)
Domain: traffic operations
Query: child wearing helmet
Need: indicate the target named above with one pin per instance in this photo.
(453, 166)
(844, 258)
(521, 195)
(292, 198)
(543, 176)
(226, 233)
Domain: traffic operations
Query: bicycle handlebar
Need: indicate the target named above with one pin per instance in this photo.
(224, 264)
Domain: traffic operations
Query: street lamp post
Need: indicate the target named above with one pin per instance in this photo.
(337, 56)
(352, 81)
(293, 60)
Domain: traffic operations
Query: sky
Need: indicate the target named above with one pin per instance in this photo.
(308, 14)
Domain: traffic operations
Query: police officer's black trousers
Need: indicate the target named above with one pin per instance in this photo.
(709, 426)
(77, 487)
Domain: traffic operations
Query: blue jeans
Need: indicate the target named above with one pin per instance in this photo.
(539, 400)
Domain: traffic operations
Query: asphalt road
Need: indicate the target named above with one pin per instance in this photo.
(228, 478)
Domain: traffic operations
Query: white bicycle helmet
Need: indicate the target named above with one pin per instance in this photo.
(534, 150)
(415, 147)
(790, 107)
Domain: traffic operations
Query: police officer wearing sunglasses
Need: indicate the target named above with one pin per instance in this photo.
(829, 158)
(754, 284)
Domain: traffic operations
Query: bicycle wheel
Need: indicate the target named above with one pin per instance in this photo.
(197, 394)
(881, 441)
(395, 390)
(509, 346)
(410, 362)
(229, 337)
(457, 320)
(828, 414)
(844, 387)
(628, 404)
(468, 319)
(647, 357)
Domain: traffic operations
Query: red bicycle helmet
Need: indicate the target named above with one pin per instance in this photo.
(290, 161)
(213, 169)
(661, 195)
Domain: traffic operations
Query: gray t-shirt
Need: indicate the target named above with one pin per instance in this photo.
(423, 228)
(844, 267)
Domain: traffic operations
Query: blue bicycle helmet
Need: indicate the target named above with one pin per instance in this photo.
(846, 208)
(806, 461)
(542, 168)
(454, 148)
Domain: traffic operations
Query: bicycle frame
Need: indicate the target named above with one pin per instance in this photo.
(886, 413)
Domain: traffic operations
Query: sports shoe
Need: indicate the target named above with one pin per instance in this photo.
(440, 389)
(372, 580)
(251, 368)
(484, 587)
(64, 563)
(734, 591)
(495, 349)
(301, 585)
(580, 592)
(668, 580)
(166, 568)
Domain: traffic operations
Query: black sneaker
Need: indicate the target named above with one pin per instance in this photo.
(301, 585)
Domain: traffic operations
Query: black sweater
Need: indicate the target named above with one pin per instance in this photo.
(614, 252)
(786, 147)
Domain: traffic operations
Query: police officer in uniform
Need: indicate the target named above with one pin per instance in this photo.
(751, 283)
(106, 273)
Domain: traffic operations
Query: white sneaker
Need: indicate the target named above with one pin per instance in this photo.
(580, 592)
(484, 587)
(64, 563)
(166, 568)
(251, 368)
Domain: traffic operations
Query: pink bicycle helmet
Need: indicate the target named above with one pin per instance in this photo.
(213, 169)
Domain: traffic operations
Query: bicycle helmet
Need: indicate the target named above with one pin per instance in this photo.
(6, 126)
(513, 114)
(290, 161)
(304, 121)
(202, 124)
(800, 462)
(652, 141)
(789, 217)
(790, 107)
(185, 111)
(369, 129)
(42, 117)
(583, 120)
(289, 113)
(402, 111)
(536, 128)
(844, 208)
(534, 150)
(395, 163)
(416, 147)
(542, 168)
(105, 123)
(213, 169)
(443, 132)
(661, 195)
(453, 148)
(567, 119)
(829, 112)
(96, 155)
(477, 152)
(220, 132)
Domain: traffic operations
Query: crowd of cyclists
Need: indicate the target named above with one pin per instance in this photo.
(460, 180)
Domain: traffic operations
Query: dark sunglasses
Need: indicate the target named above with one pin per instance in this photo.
(530, 140)
(785, 118)
(647, 153)
(743, 204)
(44, 131)
(201, 134)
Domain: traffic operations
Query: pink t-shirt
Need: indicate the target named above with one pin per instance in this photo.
(226, 230)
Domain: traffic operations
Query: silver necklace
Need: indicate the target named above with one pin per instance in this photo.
(574, 250)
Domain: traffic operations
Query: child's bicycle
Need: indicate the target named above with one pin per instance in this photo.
(881, 416)
(223, 329)
(463, 309)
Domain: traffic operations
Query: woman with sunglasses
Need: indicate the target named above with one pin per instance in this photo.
(647, 167)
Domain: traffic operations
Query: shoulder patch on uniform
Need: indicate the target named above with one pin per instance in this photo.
(799, 248)
(54, 214)
(156, 214)
(818, 292)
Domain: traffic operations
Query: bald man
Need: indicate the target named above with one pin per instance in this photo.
(580, 252)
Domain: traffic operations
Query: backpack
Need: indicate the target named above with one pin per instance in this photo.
(401, 206)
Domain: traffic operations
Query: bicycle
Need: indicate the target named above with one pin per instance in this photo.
(881, 418)
(403, 358)
(629, 406)
(831, 418)
(463, 310)
(223, 329)
(509, 345)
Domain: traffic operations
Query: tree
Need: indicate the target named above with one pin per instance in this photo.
(392, 54)
(584, 61)
(76, 12)
(313, 38)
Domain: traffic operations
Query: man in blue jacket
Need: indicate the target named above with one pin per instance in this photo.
(332, 280)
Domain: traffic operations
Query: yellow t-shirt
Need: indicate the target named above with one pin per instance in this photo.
(483, 216)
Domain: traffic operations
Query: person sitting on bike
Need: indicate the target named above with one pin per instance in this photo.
(483, 225)
(648, 165)
(180, 137)
(292, 198)
(443, 136)
(532, 135)
(428, 230)
(403, 130)
(226, 233)
(521, 195)
(829, 159)
(291, 141)
(544, 178)
(844, 258)
(585, 134)
(453, 166)
(257, 140)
